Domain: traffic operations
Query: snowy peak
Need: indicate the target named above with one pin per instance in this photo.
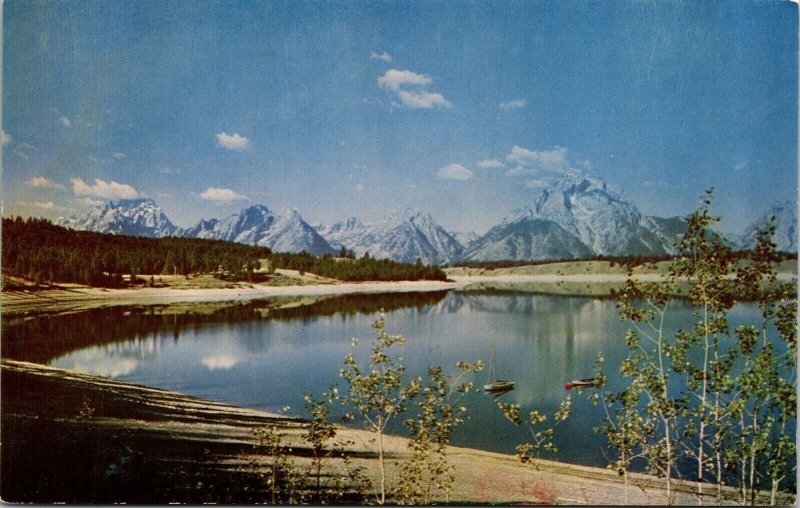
(285, 231)
(578, 216)
(785, 216)
(403, 235)
(135, 217)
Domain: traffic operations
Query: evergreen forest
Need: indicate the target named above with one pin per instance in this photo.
(42, 252)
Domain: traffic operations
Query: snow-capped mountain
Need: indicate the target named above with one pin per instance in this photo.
(134, 217)
(465, 239)
(343, 233)
(667, 229)
(406, 235)
(786, 232)
(285, 231)
(578, 216)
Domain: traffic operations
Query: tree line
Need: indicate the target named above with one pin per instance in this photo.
(356, 270)
(40, 251)
(624, 261)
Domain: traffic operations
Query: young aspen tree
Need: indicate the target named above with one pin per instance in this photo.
(379, 394)
(428, 470)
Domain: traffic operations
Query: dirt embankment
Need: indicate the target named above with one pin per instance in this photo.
(77, 438)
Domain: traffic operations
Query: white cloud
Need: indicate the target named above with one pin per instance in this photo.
(416, 97)
(386, 57)
(423, 100)
(43, 183)
(170, 171)
(90, 202)
(454, 172)
(43, 205)
(491, 164)
(742, 164)
(118, 155)
(537, 183)
(515, 104)
(102, 189)
(65, 121)
(394, 79)
(22, 154)
(359, 187)
(6, 138)
(217, 194)
(554, 161)
(232, 141)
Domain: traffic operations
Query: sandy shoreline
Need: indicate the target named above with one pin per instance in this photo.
(171, 433)
(14, 303)
(73, 299)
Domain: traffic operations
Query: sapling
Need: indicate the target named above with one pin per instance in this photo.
(379, 393)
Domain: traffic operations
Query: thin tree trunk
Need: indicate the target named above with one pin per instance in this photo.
(701, 444)
(625, 472)
(669, 466)
(382, 467)
(753, 456)
(774, 492)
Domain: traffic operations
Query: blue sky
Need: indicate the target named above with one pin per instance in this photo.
(345, 108)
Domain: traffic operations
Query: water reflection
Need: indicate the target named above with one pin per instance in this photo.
(46, 337)
(268, 354)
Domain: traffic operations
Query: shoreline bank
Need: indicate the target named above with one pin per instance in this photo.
(15, 303)
(180, 442)
(77, 298)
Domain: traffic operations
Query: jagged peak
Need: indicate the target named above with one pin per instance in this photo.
(256, 207)
(127, 203)
(526, 212)
(579, 183)
(289, 213)
(400, 214)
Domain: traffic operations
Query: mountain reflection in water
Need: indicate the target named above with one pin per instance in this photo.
(267, 354)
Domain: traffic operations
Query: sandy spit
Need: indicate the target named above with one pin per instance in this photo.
(21, 302)
(81, 298)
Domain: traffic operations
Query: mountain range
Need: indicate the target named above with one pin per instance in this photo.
(405, 235)
(577, 217)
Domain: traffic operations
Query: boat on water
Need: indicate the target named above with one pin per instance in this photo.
(499, 386)
(496, 386)
(581, 383)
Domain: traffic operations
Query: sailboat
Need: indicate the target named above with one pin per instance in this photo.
(496, 386)
(581, 383)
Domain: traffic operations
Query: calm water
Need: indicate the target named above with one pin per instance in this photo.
(254, 356)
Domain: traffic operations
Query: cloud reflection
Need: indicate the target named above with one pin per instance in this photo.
(222, 362)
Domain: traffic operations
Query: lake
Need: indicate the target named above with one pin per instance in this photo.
(267, 354)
